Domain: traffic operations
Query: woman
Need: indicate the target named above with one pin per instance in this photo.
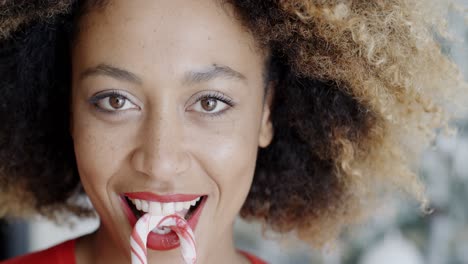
(292, 113)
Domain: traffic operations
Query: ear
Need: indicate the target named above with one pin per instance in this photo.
(266, 133)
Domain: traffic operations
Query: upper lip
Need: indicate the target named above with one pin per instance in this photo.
(149, 196)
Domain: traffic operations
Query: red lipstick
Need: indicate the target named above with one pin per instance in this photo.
(147, 196)
(170, 240)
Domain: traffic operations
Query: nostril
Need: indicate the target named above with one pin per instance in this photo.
(163, 166)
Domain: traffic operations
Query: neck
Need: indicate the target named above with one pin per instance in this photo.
(97, 248)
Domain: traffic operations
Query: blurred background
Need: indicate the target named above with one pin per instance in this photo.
(398, 234)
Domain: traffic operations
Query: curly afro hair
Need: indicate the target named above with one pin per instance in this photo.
(360, 87)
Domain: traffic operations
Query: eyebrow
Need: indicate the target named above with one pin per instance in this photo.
(111, 71)
(213, 72)
(193, 77)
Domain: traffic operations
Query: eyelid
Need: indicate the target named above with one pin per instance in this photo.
(97, 97)
(211, 94)
(222, 98)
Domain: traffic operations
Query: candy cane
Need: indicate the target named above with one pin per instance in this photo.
(185, 234)
(147, 223)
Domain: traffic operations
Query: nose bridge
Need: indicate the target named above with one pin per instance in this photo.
(161, 152)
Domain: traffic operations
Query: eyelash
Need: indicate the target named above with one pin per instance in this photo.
(100, 96)
(210, 95)
(217, 96)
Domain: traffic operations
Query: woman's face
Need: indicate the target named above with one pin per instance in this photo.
(167, 107)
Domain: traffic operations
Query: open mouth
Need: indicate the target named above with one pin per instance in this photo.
(139, 207)
(188, 206)
(185, 209)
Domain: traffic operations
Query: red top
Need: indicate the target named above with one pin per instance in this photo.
(61, 254)
(65, 254)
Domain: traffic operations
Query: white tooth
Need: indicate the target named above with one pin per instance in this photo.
(186, 205)
(198, 199)
(166, 230)
(155, 208)
(179, 206)
(163, 231)
(137, 204)
(193, 202)
(144, 206)
(168, 208)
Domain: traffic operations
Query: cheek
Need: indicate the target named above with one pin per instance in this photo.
(90, 159)
(231, 157)
(98, 152)
(228, 156)
(229, 149)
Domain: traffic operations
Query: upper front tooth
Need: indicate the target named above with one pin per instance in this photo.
(155, 208)
(179, 206)
(168, 208)
(144, 206)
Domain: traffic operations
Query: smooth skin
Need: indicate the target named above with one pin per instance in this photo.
(167, 97)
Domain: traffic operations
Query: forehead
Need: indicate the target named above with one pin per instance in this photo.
(153, 31)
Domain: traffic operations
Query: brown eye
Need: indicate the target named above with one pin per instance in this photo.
(116, 101)
(209, 104)
(112, 102)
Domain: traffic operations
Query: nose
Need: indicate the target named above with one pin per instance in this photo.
(161, 155)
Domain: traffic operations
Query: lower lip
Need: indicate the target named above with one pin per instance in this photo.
(168, 241)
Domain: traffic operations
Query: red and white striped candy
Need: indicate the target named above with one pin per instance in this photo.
(147, 223)
(185, 234)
